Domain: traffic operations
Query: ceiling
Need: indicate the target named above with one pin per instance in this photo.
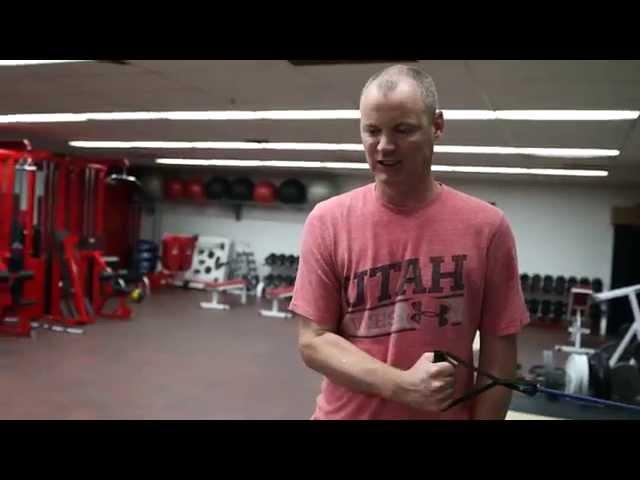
(158, 85)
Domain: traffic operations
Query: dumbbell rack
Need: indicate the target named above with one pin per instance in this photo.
(535, 295)
(549, 292)
(279, 269)
(281, 290)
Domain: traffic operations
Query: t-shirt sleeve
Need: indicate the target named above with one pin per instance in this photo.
(316, 293)
(504, 310)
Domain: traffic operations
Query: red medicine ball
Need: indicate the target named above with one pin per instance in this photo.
(174, 189)
(265, 192)
(194, 190)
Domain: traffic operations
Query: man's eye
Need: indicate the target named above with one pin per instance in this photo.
(404, 129)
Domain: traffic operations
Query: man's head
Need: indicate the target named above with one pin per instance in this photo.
(399, 123)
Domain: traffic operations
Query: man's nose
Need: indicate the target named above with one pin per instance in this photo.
(386, 144)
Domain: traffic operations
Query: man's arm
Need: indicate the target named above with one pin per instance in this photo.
(498, 356)
(426, 385)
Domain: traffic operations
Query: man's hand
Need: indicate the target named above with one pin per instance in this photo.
(427, 385)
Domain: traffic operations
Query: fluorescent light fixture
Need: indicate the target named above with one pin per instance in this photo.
(521, 171)
(351, 147)
(542, 115)
(535, 115)
(19, 63)
(43, 118)
(349, 165)
(355, 147)
(567, 115)
(469, 114)
(265, 115)
(262, 163)
(190, 161)
(538, 152)
(365, 166)
(196, 115)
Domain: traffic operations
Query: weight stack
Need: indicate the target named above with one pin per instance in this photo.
(145, 257)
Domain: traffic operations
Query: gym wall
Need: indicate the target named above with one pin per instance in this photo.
(560, 229)
(263, 230)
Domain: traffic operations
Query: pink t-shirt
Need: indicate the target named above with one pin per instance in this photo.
(402, 282)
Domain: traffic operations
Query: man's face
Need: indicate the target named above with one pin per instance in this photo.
(397, 136)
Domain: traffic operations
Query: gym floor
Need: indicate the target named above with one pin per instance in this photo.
(175, 360)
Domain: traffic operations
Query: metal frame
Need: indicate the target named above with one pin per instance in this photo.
(22, 269)
(631, 293)
(235, 287)
(276, 295)
(576, 329)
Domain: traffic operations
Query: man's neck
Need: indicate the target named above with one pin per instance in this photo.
(408, 196)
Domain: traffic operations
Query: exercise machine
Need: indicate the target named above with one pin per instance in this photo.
(612, 371)
(81, 280)
(21, 264)
(580, 303)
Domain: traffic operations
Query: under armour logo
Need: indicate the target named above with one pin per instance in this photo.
(419, 313)
(441, 315)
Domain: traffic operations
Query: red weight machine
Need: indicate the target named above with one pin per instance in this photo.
(81, 278)
(21, 259)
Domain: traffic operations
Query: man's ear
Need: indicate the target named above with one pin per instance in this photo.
(438, 125)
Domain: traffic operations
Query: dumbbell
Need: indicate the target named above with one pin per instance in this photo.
(534, 305)
(584, 282)
(596, 285)
(279, 281)
(547, 284)
(536, 282)
(268, 280)
(572, 282)
(281, 259)
(558, 311)
(291, 260)
(290, 280)
(271, 259)
(524, 282)
(560, 285)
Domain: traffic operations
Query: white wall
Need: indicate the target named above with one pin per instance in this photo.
(263, 230)
(560, 229)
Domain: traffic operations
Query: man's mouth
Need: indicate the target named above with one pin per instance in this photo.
(389, 163)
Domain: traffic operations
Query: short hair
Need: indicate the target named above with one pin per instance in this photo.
(387, 81)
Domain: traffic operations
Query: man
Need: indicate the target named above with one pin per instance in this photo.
(397, 269)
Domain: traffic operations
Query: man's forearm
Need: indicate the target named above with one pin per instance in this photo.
(498, 356)
(492, 404)
(345, 364)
